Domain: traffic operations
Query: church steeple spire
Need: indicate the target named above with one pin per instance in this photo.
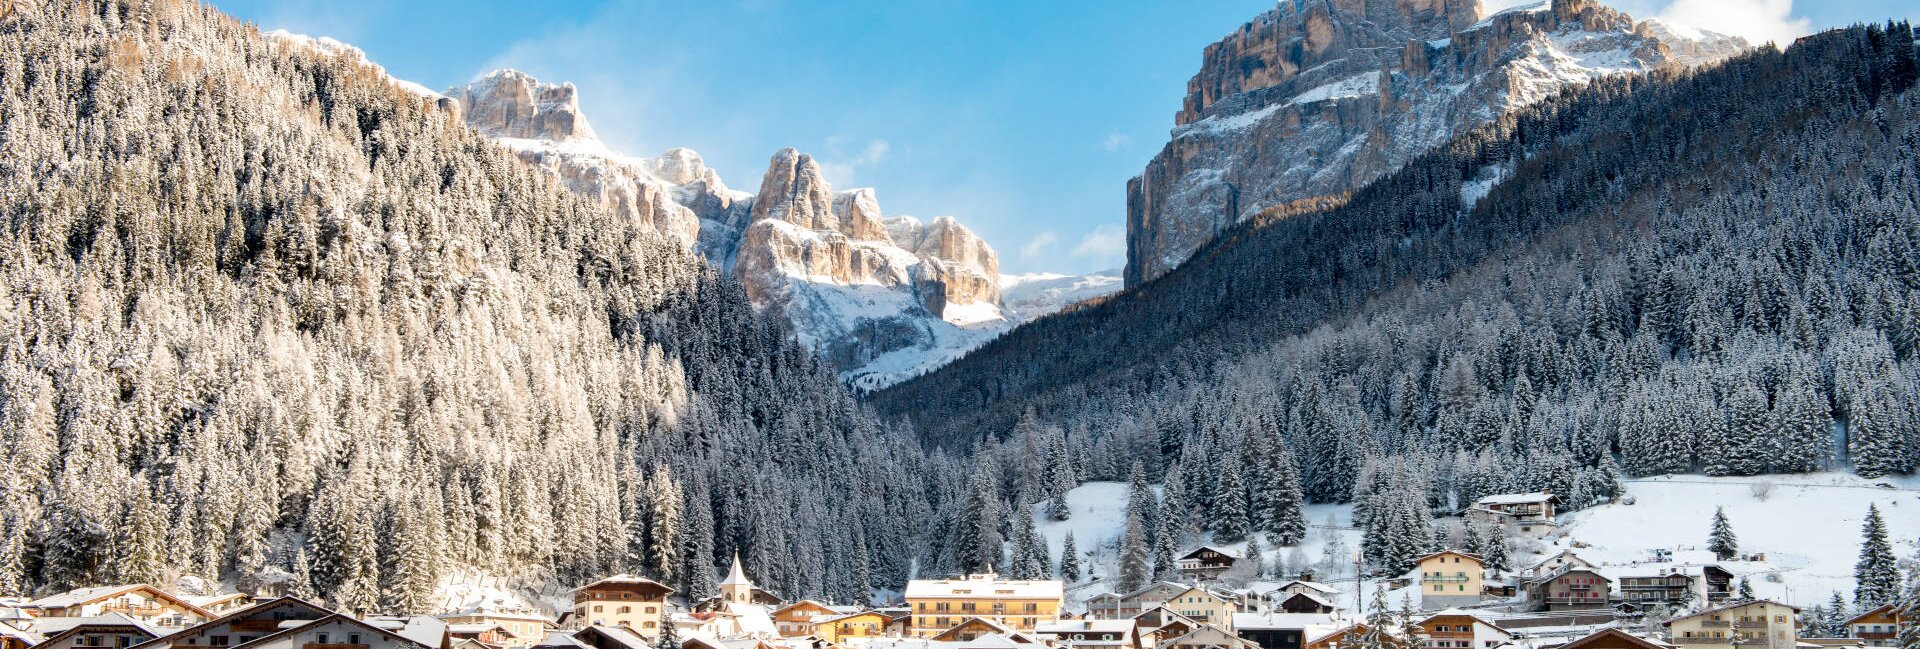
(737, 588)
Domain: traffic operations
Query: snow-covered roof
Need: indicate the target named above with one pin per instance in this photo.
(1084, 626)
(736, 576)
(561, 640)
(53, 626)
(27, 637)
(1516, 499)
(79, 596)
(625, 580)
(619, 634)
(985, 586)
(500, 614)
(1280, 620)
(1729, 607)
(1311, 585)
(1315, 596)
(1461, 612)
(476, 629)
(1224, 552)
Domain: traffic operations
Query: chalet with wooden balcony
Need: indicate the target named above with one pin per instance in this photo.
(151, 606)
(523, 627)
(630, 601)
(1675, 586)
(1460, 629)
(1757, 624)
(1568, 589)
(244, 625)
(1530, 513)
(1206, 563)
(1879, 627)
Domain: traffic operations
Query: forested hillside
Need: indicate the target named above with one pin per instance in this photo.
(1714, 271)
(267, 315)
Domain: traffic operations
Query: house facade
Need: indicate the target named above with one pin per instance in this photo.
(111, 631)
(1205, 607)
(1449, 579)
(524, 627)
(1020, 604)
(1103, 634)
(147, 604)
(340, 631)
(1206, 563)
(1677, 585)
(1457, 629)
(244, 626)
(866, 624)
(1529, 513)
(1569, 589)
(1879, 627)
(1748, 625)
(797, 619)
(1614, 639)
(627, 601)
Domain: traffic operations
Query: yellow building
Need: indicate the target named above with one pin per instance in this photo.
(1759, 624)
(1449, 579)
(526, 627)
(940, 604)
(637, 603)
(1204, 606)
(868, 624)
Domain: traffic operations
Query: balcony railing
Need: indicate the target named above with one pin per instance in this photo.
(1874, 635)
(332, 645)
(1703, 640)
(1444, 580)
(1750, 624)
(1714, 624)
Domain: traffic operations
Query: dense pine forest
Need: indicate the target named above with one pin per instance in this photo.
(1715, 271)
(266, 315)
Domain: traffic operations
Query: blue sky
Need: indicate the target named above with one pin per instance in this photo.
(1023, 119)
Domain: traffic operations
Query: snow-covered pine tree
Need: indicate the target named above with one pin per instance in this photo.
(1229, 516)
(1834, 623)
(1134, 571)
(1069, 560)
(1721, 540)
(1876, 576)
(1498, 555)
(1280, 501)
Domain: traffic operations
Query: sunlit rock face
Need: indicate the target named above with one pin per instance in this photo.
(1317, 98)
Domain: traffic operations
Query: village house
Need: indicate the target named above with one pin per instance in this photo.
(1206, 607)
(1568, 588)
(1206, 563)
(1460, 629)
(940, 604)
(1280, 630)
(1562, 560)
(1208, 637)
(797, 619)
(525, 627)
(1157, 624)
(634, 602)
(492, 636)
(1304, 603)
(1355, 636)
(340, 631)
(609, 637)
(1127, 605)
(1746, 625)
(1449, 579)
(1876, 628)
(972, 628)
(865, 624)
(244, 626)
(1676, 586)
(149, 605)
(114, 630)
(1527, 513)
(221, 604)
(741, 611)
(1103, 634)
(1611, 639)
(13, 637)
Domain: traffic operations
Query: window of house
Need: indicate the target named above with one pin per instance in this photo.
(353, 638)
(218, 641)
(322, 638)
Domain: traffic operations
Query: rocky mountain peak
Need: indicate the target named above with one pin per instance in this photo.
(795, 191)
(1316, 98)
(513, 104)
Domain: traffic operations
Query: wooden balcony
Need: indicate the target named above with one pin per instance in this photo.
(1874, 635)
(1714, 624)
(135, 610)
(1685, 641)
(255, 626)
(332, 645)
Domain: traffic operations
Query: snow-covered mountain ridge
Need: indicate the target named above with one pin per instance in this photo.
(883, 298)
(1315, 99)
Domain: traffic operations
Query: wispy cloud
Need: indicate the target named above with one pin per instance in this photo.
(1116, 142)
(841, 166)
(1040, 246)
(1107, 243)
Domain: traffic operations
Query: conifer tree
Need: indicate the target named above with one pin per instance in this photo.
(1721, 540)
(1498, 559)
(1280, 502)
(1069, 560)
(1229, 510)
(1134, 570)
(1876, 575)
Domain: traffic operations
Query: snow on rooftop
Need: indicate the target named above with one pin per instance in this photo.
(1516, 499)
(986, 586)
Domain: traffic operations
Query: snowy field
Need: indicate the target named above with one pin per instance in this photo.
(1807, 527)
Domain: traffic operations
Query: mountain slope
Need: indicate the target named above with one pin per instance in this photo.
(1730, 254)
(1315, 99)
(268, 315)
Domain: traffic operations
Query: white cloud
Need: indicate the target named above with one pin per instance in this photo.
(1105, 243)
(1116, 142)
(1758, 21)
(1040, 245)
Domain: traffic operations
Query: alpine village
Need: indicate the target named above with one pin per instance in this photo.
(1443, 325)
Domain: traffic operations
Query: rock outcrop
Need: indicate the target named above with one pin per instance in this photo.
(883, 298)
(1319, 97)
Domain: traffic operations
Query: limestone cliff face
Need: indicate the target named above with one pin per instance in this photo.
(862, 289)
(1320, 97)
